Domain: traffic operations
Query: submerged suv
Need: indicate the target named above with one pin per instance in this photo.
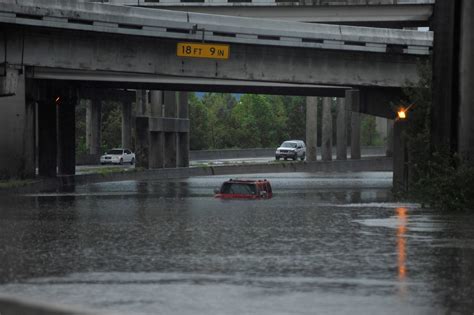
(244, 189)
(292, 149)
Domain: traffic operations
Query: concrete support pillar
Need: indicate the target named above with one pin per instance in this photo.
(126, 125)
(326, 132)
(341, 149)
(466, 84)
(141, 102)
(389, 145)
(170, 111)
(156, 103)
(17, 132)
(93, 123)
(183, 137)
(47, 132)
(66, 106)
(311, 128)
(157, 150)
(400, 158)
(381, 127)
(170, 149)
(157, 138)
(28, 161)
(142, 140)
(445, 67)
(353, 100)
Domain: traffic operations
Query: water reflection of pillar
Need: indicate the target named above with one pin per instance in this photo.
(401, 247)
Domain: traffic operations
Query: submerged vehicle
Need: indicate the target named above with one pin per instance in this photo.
(244, 189)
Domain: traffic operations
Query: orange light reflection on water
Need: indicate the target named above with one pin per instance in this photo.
(401, 242)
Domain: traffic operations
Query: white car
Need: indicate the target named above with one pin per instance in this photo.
(293, 149)
(118, 156)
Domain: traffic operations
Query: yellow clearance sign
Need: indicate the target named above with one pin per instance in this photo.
(195, 50)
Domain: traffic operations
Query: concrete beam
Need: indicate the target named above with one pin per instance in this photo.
(152, 56)
(69, 14)
(109, 79)
(367, 15)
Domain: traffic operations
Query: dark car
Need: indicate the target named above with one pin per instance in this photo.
(245, 189)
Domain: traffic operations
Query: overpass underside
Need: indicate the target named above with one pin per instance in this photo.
(50, 55)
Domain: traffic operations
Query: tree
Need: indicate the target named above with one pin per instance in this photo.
(219, 107)
(199, 123)
(111, 126)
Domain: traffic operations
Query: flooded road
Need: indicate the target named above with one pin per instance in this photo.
(324, 244)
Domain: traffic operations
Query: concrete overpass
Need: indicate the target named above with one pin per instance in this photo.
(51, 48)
(384, 13)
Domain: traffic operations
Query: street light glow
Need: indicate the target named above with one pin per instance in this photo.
(402, 114)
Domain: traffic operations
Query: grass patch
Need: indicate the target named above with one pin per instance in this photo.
(15, 183)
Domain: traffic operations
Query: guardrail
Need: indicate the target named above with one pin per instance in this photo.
(97, 17)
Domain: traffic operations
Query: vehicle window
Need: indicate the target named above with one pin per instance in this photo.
(288, 145)
(115, 152)
(239, 188)
(128, 151)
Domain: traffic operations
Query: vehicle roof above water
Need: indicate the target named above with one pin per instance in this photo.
(246, 181)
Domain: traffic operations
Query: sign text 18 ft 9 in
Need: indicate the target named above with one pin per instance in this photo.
(195, 50)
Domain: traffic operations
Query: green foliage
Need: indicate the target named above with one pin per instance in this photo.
(437, 176)
(81, 128)
(199, 124)
(218, 121)
(111, 126)
(369, 135)
(260, 121)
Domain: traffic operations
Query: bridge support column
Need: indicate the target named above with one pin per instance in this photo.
(353, 99)
(142, 141)
(157, 138)
(341, 145)
(311, 128)
(389, 143)
(445, 69)
(47, 132)
(66, 106)
(93, 122)
(183, 137)
(466, 84)
(141, 102)
(170, 136)
(400, 158)
(326, 133)
(126, 125)
(17, 135)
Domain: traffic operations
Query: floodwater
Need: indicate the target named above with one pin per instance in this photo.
(324, 244)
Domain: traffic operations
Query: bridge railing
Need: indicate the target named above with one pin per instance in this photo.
(97, 17)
